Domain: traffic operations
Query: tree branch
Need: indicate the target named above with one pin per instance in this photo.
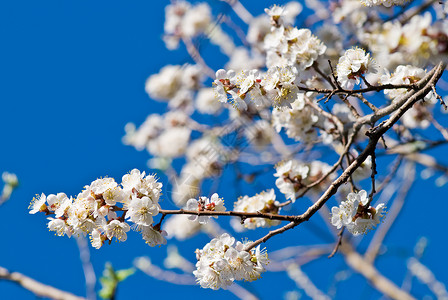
(37, 288)
(378, 281)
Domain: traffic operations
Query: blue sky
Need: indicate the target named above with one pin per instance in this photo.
(72, 74)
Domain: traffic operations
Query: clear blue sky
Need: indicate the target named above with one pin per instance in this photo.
(72, 75)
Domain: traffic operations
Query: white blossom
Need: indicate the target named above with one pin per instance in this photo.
(153, 236)
(96, 239)
(117, 229)
(221, 262)
(404, 75)
(54, 201)
(214, 203)
(290, 175)
(263, 202)
(356, 214)
(164, 85)
(94, 210)
(299, 120)
(60, 227)
(206, 102)
(387, 3)
(279, 84)
(223, 82)
(146, 185)
(142, 210)
(354, 64)
(259, 134)
(38, 204)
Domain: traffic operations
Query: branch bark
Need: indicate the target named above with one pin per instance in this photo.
(397, 109)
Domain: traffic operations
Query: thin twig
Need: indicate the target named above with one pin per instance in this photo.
(324, 76)
(372, 176)
(353, 110)
(336, 247)
(240, 214)
(366, 102)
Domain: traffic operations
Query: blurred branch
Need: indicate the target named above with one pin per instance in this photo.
(300, 255)
(378, 281)
(89, 273)
(240, 10)
(416, 10)
(196, 56)
(426, 276)
(37, 288)
(303, 281)
(145, 265)
(11, 182)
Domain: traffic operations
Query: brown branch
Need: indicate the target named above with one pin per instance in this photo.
(374, 88)
(271, 234)
(333, 75)
(403, 103)
(330, 116)
(325, 176)
(398, 109)
(372, 176)
(366, 102)
(351, 107)
(319, 71)
(438, 97)
(242, 215)
(336, 247)
(37, 288)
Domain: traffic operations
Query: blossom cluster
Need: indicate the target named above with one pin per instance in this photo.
(96, 210)
(221, 262)
(162, 136)
(204, 158)
(356, 214)
(420, 114)
(263, 202)
(387, 3)
(183, 20)
(299, 121)
(290, 46)
(294, 175)
(353, 65)
(416, 42)
(214, 203)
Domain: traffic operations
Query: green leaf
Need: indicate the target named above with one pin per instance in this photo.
(110, 280)
(123, 274)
